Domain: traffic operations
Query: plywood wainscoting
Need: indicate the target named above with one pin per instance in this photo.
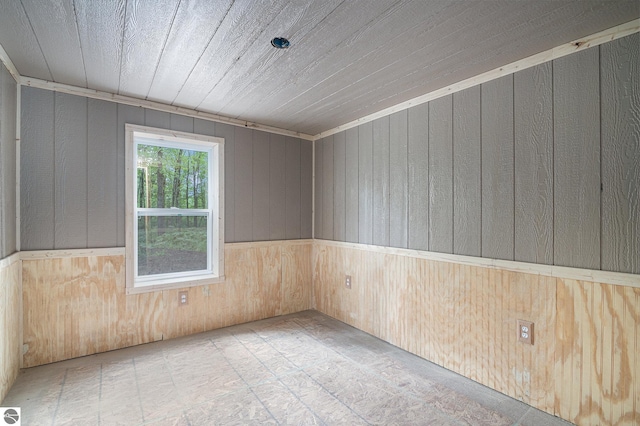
(10, 322)
(75, 302)
(584, 365)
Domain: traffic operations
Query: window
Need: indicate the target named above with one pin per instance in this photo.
(174, 209)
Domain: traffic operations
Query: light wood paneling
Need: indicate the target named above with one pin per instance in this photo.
(583, 365)
(576, 129)
(76, 306)
(597, 340)
(10, 323)
(620, 91)
(430, 307)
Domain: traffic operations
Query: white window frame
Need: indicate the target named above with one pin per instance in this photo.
(215, 229)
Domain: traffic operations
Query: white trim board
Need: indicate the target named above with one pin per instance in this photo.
(128, 100)
(10, 260)
(563, 272)
(6, 60)
(597, 39)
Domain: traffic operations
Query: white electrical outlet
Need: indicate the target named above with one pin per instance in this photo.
(525, 332)
(183, 297)
(347, 281)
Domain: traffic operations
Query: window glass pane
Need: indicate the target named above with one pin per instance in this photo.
(171, 177)
(171, 244)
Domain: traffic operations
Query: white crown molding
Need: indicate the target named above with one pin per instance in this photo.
(6, 60)
(537, 59)
(128, 100)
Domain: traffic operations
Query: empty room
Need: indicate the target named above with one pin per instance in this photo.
(323, 212)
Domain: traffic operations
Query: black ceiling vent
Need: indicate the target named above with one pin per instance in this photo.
(280, 43)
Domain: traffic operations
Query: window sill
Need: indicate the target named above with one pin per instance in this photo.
(194, 282)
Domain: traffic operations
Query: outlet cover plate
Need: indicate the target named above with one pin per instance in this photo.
(183, 298)
(347, 281)
(525, 332)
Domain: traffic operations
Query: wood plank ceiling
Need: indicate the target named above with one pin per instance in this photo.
(348, 59)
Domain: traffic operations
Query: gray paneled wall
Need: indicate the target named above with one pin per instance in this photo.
(540, 166)
(73, 180)
(8, 93)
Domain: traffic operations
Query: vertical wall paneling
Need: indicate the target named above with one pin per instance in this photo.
(8, 201)
(70, 133)
(262, 171)
(596, 353)
(204, 127)
(181, 123)
(10, 323)
(228, 132)
(327, 188)
(37, 173)
(398, 180)
(79, 144)
(418, 177)
(381, 181)
(576, 129)
(533, 121)
(620, 90)
(497, 168)
(306, 183)
(154, 118)
(583, 365)
(243, 182)
(277, 182)
(339, 187)
(365, 183)
(292, 188)
(352, 191)
(319, 183)
(261, 281)
(102, 181)
(131, 115)
(467, 189)
(441, 175)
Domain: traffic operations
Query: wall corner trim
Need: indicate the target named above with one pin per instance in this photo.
(6, 60)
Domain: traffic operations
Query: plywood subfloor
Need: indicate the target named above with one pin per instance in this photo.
(303, 368)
